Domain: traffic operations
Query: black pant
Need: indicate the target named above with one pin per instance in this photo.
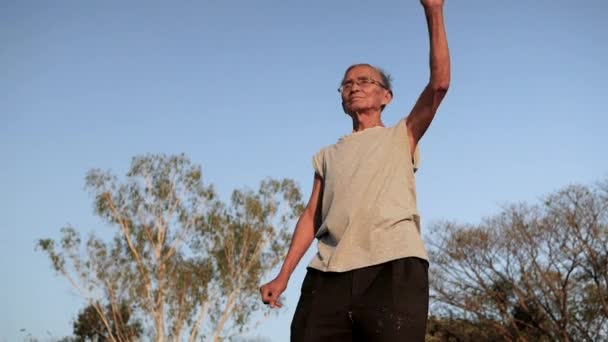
(386, 302)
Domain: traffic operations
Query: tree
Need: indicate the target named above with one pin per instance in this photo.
(245, 244)
(534, 272)
(88, 326)
(179, 254)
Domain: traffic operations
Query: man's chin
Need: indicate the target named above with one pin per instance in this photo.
(359, 109)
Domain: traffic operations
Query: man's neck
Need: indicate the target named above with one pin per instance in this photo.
(365, 120)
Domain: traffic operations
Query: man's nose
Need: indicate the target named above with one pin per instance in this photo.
(355, 87)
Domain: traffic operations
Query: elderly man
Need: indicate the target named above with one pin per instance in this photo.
(369, 278)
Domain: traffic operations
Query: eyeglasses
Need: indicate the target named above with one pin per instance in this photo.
(361, 82)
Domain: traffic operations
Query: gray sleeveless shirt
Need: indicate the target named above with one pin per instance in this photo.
(369, 212)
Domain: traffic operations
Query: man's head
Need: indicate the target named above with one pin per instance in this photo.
(365, 87)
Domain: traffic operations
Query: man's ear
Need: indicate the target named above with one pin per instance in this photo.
(388, 97)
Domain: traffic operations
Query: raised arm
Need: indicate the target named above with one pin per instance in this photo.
(303, 235)
(425, 108)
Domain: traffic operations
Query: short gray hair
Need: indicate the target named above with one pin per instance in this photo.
(385, 77)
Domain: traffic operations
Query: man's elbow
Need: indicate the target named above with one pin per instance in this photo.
(439, 88)
(440, 85)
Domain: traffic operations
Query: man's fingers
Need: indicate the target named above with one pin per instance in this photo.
(271, 300)
(267, 297)
(270, 296)
(274, 303)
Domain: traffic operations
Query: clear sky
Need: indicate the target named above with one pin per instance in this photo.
(247, 89)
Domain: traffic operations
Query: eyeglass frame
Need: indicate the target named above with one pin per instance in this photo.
(366, 81)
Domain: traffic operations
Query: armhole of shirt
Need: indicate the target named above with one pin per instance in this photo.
(415, 158)
(317, 163)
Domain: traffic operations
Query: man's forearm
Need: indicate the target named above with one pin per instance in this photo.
(439, 53)
(303, 236)
(421, 116)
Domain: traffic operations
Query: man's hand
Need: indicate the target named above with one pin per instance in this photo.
(272, 291)
(431, 3)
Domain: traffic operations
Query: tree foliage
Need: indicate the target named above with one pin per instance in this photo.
(453, 329)
(88, 326)
(187, 263)
(532, 272)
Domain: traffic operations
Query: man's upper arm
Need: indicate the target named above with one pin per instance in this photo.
(313, 208)
(422, 114)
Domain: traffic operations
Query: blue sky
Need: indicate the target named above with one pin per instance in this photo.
(247, 89)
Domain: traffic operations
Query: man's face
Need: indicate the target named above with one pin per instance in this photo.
(362, 90)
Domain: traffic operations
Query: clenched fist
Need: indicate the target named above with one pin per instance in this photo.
(272, 291)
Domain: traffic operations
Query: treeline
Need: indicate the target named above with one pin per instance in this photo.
(530, 273)
(184, 265)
